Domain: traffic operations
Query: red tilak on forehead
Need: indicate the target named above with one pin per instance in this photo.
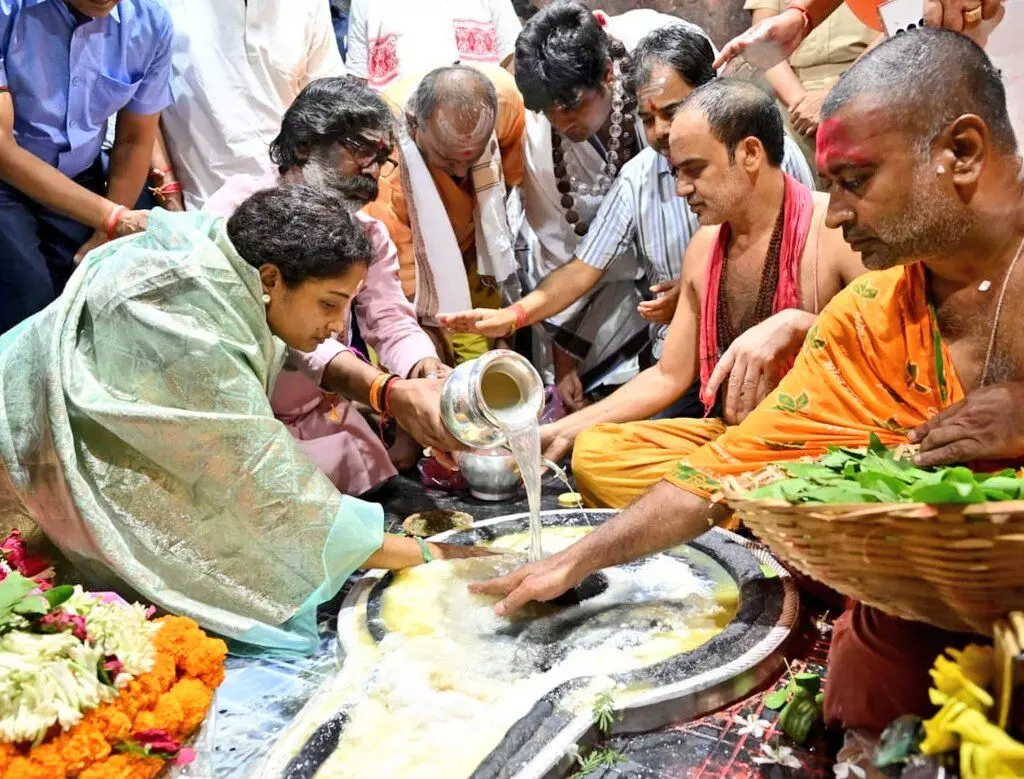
(834, 142)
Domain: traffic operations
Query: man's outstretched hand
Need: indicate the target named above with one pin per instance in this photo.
(986, 425)
(773, 40)
(488, 322)
(539, 581)
(766, 43)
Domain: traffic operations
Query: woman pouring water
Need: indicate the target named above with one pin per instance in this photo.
(135, 424)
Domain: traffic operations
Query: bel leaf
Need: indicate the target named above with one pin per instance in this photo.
(777, 699)
(12, 589)
(57, 595)
(31, 605)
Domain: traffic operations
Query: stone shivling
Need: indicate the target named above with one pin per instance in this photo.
(468, 694)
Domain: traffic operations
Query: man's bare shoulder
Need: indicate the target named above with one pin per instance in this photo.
(695, 261)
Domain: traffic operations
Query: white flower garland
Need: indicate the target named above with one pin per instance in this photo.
(47, 679)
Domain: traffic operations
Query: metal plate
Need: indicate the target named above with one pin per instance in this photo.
(722, 671)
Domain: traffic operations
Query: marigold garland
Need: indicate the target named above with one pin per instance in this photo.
(174, 696)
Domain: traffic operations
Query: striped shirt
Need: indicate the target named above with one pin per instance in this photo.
(642, 213)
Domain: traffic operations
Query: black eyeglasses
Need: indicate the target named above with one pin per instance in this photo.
(366, 154)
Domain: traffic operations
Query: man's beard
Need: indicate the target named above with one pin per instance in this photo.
(928, 225)
(361, 189)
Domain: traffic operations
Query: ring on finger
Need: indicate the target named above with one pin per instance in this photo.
(972, 16)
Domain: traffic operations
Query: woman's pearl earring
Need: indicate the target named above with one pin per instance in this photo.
(266, 299)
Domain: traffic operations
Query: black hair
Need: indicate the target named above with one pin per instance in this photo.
(307, 232)
(524, 9)
(907, 71)
(325, 111)
(686, 51)
(736, 109)
(561, 53)
(447, 88)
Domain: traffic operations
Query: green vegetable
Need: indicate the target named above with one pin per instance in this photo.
(876, 475)
(799, 716)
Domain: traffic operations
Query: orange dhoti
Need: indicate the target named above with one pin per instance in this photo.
(613, 464)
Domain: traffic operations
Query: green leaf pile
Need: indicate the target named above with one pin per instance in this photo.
(877, 475)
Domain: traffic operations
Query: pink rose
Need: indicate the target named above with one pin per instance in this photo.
(156, 740)
(59, 621)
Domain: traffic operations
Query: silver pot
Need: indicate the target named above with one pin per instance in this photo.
(499, 387)
(491, 474)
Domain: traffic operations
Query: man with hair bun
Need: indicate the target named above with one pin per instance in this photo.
(570, 67)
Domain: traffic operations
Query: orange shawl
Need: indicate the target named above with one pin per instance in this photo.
(873, 363)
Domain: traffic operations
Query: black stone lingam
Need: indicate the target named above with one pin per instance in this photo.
(589, 588)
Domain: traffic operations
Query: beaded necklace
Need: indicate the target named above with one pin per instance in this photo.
(621, 146)
(763, 306)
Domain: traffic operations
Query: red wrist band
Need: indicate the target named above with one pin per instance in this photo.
(112, 221)
(520, 313)
(166, 189)
(390, 385)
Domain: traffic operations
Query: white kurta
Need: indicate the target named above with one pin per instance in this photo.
(389, 40)
(237, 67)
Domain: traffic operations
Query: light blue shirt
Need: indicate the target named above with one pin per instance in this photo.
(68, 75)
(642, 213)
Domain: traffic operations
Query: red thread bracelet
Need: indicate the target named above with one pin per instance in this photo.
(113, 219)
(388, 386)
(166, 189)
(520, 313)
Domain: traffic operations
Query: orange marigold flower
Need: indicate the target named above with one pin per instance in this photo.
(195, 653)
(7, 751)
(166, 715)
(194, 698)
(124, 767)
(178, 635)
(111, 721)
(164, 673)
(49, 758)
(85, 746)
(23, 768)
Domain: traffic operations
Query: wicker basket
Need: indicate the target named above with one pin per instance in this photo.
(957, 567)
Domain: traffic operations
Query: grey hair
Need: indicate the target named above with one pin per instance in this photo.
(906, 72)
(458, 88)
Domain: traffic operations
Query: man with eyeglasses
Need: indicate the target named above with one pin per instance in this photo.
(461, 142)
(338, 135)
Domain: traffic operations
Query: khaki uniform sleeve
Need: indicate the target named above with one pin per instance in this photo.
(764, 5)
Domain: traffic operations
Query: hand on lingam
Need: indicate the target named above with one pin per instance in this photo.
(541, 581)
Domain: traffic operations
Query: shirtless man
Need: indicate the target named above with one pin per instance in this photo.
(641, 214)
(726, 145)
(927, 184)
